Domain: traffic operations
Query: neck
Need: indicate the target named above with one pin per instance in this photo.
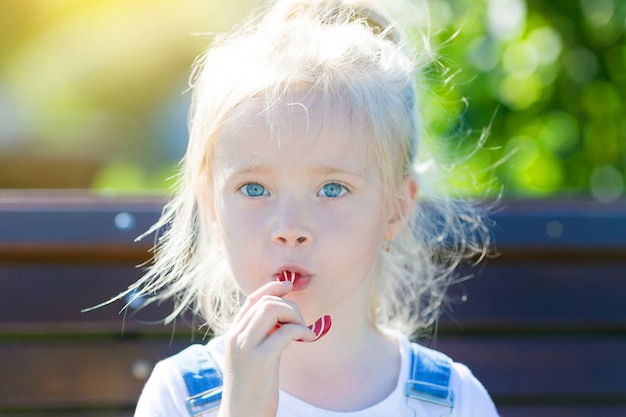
(330, 372)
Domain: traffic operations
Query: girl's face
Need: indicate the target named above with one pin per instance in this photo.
(305, 200)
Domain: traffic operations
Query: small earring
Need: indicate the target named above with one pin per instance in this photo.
(386, 245)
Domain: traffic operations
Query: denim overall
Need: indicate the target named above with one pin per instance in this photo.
(429, 378)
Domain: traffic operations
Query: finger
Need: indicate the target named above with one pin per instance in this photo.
(267, 315)
(284, 336)
(319, 328)
(273, 288)
(276, 288)
(261, 319)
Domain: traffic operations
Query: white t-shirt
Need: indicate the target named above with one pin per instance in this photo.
(165, 394)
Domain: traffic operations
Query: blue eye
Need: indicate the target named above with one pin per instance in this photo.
(254, 189)
(332, 190)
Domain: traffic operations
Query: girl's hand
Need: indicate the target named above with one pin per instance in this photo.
(264, 327)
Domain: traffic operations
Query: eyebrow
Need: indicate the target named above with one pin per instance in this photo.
(250, 169)
(323, 170)
(332, 170)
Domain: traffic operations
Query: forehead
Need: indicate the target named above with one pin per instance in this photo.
(300, 121)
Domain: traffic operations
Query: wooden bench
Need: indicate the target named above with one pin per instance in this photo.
(543, 325)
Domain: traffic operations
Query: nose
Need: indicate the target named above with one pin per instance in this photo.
(290, 239)
(290, 226)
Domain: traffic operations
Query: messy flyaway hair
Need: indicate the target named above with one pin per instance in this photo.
(350, 55)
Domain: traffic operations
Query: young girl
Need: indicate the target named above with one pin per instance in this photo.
(297, 235)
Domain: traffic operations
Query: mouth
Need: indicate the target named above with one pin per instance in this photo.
(288, 276)
(300, 280)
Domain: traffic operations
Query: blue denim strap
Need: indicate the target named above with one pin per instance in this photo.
(202, 377)
(429, 379)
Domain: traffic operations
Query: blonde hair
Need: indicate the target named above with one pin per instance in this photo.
(350, 55)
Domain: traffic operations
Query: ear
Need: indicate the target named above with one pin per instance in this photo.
(402, 207)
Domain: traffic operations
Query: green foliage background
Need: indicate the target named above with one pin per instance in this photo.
(101, 81)
(548, 79)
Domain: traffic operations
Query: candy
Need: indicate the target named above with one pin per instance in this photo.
(288, 276)
(321, 327)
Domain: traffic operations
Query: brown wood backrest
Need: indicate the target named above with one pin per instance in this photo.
(543, 325)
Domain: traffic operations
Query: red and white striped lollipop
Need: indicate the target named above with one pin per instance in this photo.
(321, 327)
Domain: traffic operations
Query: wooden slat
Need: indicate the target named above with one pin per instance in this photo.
(552, 369)
(570, 226)
(95, 226)
(122, 412)
(75, 227)
(564, 295)
(90, 236)
(563, 410)
(64, 374)
(81, 412)
(53, 295)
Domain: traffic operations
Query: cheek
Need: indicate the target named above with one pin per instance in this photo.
(355, 233)
(350, 256)
(242, 238)
(234, 221)
(238, 233)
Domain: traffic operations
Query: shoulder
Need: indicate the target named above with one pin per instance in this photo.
(471, 396)
(165, 392)
(471, 399)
